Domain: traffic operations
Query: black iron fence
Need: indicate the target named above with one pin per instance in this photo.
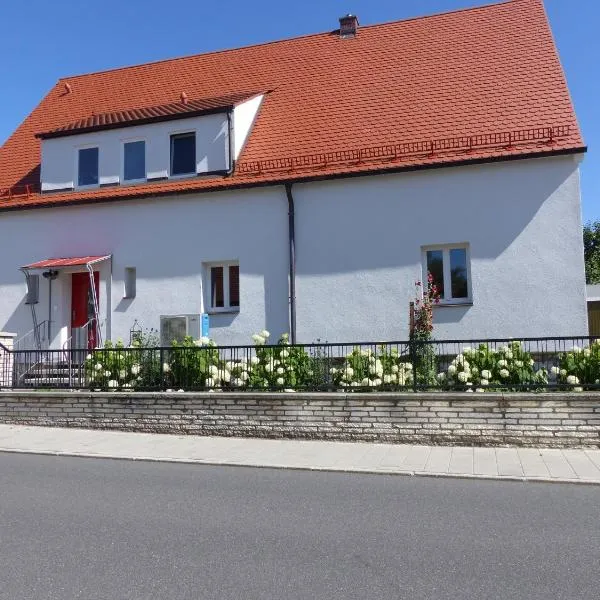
(466, 365)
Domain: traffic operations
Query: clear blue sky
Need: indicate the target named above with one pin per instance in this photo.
(43, 40)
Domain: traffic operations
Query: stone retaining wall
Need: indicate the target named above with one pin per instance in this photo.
(549, 419)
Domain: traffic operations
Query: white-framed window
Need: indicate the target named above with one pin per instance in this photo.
(129, 282)
(450, 267)
(134, 161)
(183, 154)
(223, 286)
(88, 161)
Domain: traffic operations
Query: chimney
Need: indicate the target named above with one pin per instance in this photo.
(348, 26)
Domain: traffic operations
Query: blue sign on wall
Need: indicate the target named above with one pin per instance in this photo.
(205, 325)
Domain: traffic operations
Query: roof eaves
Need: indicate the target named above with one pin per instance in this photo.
(230, 184)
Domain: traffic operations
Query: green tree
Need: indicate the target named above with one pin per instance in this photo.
(591, 251)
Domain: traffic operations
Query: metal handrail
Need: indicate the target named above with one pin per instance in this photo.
(36, 334)
(85, 326)
(69, 351)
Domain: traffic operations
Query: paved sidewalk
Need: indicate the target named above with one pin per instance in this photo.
(522, 464)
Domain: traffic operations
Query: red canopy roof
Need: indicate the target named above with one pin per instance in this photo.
(57, 263)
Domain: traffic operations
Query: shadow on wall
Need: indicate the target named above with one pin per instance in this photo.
(123, 305)
(450, 314)
(349, 225)
(221, 320)
(275, 288)
(382, 216)
(20, 321)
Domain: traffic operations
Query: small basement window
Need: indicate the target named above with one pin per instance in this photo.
(183, 154)
(451, 271)
(224, 286)
(33, 289)
(134, 160)
(87, 166)
(130, 277)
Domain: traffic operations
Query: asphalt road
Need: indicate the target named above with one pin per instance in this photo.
(90, 528)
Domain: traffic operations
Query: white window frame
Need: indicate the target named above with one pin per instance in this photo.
(182, 132)
(226, 308)
(448, 300)
(76, 178)
(133, 181)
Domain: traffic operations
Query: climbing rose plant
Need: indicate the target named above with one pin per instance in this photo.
(426, 297)
(423, 353)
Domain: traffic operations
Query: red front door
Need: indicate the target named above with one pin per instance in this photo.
(82, 305)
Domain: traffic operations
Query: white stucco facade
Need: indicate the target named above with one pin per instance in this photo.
(167, 240)
(358, 246)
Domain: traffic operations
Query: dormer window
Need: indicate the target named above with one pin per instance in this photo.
(132, 147)
(183, 154)
(87, 166)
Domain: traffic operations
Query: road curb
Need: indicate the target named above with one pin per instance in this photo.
(332, 469)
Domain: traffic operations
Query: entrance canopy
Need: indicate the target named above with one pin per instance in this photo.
(90, 293)
(57, 263)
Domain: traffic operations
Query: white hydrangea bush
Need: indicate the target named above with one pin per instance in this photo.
(280, 366)
(506, 367)
(193, 364)
(366, 368)
(114, 367)
(578, 368)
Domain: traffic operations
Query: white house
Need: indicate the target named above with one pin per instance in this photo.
(304, 186)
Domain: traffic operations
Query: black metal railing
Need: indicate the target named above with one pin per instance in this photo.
(465, 365)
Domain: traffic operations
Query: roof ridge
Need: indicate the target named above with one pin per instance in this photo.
(493, 4)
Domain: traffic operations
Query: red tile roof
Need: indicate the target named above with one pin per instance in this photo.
(471, 85)
(148, 114)
(56, 263)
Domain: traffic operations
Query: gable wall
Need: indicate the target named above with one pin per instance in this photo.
(359, 251)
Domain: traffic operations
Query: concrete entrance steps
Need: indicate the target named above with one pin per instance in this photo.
(53, 376)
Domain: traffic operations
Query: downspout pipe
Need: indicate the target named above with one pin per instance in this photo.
(50, 275)
(292, 260)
